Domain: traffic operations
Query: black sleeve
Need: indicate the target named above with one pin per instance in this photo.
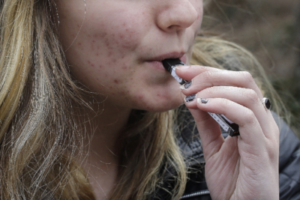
(289, 162)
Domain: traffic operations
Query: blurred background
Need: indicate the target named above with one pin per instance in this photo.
(271, 31)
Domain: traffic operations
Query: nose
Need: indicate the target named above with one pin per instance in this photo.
(177, 15)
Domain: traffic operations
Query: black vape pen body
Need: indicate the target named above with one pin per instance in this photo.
(230, 127)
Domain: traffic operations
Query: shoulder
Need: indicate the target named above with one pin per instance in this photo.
(289, 161)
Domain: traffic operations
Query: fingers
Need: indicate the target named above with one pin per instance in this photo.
(234, 94)
(246, 97)
(188, 72)
(241, 88)
(204, 77)
(250, 129)
(252, 143)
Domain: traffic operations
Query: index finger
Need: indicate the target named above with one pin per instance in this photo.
(193, 71)
(208, 77)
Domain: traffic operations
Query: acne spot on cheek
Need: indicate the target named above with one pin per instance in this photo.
(93, 45)
(116, 81)
(126, 41)
(161, 95)
(91, 64)
(106, 42)
(122, 56)
(109, 54)
(140, 97)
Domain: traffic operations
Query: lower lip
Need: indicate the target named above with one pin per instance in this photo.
(183, 58)
(157, 65)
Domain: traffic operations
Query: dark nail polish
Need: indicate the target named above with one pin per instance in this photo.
(187, 84)
(190, 98)
(204, 101)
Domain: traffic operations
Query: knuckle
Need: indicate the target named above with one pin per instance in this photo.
(274, 135)
(249, 117)
(207, 75)
(247, 76)
(273, 150)
(251, 96)
(225, 103)
(217, 90)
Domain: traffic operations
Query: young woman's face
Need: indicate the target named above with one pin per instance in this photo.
(114, 47)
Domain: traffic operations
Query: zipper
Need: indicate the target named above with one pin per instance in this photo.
(195, 194)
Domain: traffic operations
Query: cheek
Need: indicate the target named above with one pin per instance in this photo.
(101, 55)
(102, 32)
(110, 49)
(115, 36)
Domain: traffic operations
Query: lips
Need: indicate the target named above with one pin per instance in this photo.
(183, 58)
(156, 62)
(169, 56)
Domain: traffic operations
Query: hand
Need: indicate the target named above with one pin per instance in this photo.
(243, 167)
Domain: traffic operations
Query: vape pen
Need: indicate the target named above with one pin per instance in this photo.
(230, 127)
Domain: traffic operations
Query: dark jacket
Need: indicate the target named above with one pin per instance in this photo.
(196, 188)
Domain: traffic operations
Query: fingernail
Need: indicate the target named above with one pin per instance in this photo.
(204, 101)
(187, 85)
(190, 98)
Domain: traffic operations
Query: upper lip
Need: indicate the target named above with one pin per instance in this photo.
(167, 56)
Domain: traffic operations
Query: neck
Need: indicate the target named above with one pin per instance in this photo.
(101, 158)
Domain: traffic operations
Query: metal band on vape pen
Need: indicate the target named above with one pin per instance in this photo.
(231, 128)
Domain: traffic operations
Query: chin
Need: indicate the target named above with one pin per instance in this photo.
(160, 106)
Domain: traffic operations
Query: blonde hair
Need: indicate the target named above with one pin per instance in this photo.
(38, 133)
(35, 96)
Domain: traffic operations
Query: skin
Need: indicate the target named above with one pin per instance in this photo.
(114, 49)
(244, 167)
(111, 52)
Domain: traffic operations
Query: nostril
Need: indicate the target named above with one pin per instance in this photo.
(173, 27)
